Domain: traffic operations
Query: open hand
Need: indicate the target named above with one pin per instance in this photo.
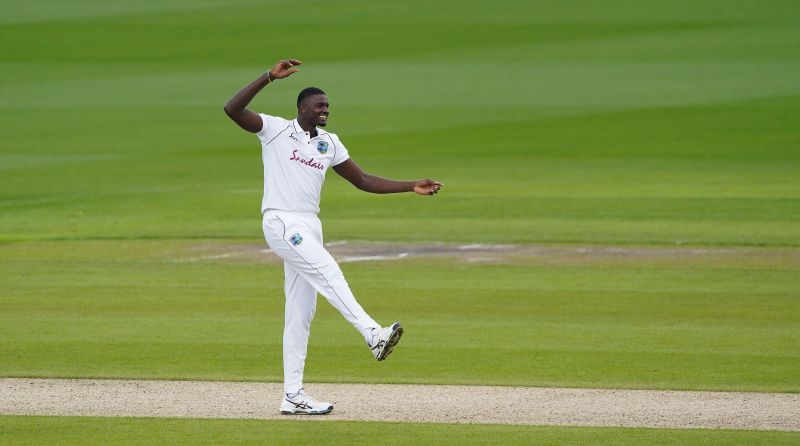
(427, 187)
(284, 68)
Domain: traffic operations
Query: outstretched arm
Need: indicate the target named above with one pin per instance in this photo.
(377, 185)
(235, 108)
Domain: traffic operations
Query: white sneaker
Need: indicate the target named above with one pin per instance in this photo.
(302, 404)
(384, 340)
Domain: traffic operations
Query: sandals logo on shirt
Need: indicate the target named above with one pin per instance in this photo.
(296, 239)
(309, 163)
(322, 147)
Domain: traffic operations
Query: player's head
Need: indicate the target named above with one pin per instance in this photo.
(312, 106)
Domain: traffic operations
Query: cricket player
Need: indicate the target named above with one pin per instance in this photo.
(296, 155)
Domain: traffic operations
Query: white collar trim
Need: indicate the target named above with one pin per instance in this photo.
(299, 129)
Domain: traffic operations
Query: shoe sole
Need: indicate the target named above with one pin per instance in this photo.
(394, 338)
(298, 412)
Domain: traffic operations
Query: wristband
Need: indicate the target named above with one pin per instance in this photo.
(269, 76)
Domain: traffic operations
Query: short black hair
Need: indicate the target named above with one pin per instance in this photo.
(310, 91)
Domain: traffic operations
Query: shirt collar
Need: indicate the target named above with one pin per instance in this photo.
(298, 129)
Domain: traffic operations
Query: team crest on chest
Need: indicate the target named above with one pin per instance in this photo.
(322, 147)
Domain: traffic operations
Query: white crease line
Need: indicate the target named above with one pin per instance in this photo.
(201, 258)
(351, 259)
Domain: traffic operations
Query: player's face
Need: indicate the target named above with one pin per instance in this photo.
(315, 109)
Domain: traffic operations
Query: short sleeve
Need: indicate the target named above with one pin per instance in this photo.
(340, 153)
(271, 126)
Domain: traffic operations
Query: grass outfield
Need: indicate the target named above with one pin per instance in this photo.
(149, 431)
(81, 309)
(570, 122)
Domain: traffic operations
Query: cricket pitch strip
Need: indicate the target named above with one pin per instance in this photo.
(405, 403)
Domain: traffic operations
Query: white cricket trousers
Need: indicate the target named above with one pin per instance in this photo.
(308, 269)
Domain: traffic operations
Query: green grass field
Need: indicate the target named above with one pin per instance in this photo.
(713, 322)
(19, 431)
(616, 123)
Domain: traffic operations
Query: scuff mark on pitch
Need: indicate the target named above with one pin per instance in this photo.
(365, 251)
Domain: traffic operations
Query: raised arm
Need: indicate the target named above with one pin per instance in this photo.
(235, 108)
(350, 171)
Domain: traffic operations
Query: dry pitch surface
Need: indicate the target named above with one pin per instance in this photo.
(411, 403)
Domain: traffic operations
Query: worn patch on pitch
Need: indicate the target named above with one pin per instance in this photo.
(364, 251)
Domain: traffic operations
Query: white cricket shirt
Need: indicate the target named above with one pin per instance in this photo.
(295, 164)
